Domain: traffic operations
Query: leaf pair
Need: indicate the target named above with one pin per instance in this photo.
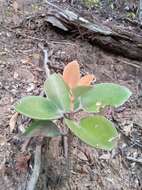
(53, 107)
(96, 131)
(71, 76)
(78, 85)
(44, 109)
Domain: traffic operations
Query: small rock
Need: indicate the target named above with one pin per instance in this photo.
(31, 87)
(127, 129)
(15, 75)
(127, 8)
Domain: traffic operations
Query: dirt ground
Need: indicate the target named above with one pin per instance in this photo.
(22, 73)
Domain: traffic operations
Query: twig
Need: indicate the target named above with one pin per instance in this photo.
(69, 143)
(65, 140)
(46, 60)
(53, 5)
(37, 161)
(55, 67)
(139, 160)
(36, 170)
(130, 64)
(69, 146)
(47, 71)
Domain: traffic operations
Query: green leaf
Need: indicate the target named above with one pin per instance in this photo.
(42, 128)
(80, 90)
(96, 131)
(57, 91)
(77, 104)
(77, 92)
(37, 107)
(105, 94)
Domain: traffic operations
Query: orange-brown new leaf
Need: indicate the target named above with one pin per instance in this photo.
(71, 74)
(86, 80)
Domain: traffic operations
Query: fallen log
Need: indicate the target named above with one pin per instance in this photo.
(113, 39)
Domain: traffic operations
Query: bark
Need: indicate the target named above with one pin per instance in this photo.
(113, 39)
(140, 11)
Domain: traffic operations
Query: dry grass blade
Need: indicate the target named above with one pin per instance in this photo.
(15, 6)
(2, 140)
(12, 122)
(138, 160)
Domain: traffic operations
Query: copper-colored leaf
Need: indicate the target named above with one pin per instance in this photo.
(86, 80)
(71, 74)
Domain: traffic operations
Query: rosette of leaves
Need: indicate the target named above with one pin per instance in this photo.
(65, 95)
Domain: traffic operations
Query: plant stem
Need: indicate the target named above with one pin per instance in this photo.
(70, 140)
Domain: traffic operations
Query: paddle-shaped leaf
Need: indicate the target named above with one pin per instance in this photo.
(104, 94)
(37, 107)
(86, 80)
(57, 91)
(80, 90)
(96, 131)
(42, 128)
(71, 74)
(77, 92)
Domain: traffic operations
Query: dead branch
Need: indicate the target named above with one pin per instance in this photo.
(117, 40)
(36, 170)
(31, 183)
(138, 160)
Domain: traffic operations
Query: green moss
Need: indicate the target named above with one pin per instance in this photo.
(91, 3)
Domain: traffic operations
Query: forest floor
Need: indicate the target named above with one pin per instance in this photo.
(22, 73)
